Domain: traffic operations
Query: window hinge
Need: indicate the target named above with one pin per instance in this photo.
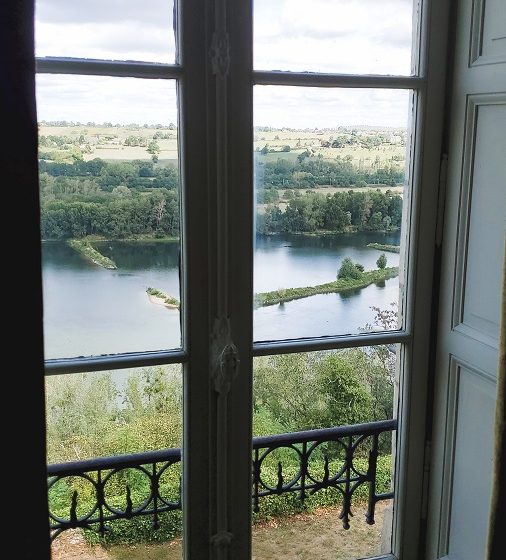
(443, 177)
(426, 476)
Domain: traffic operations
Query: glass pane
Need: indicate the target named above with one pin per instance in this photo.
(344, 36)
(330, 181)
(299, 478)
(95, 423)
(106, 30)
(110, 214)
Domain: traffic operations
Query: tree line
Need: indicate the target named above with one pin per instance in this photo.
(136, 174)
(308, 170)
(122, 199)
(370, 210)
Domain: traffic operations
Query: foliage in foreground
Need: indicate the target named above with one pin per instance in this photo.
(90, 415)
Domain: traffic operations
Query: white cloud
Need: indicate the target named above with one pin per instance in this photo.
(114, 29)
(281, 106)
(103, 99)
(154, 12)
(348, 36)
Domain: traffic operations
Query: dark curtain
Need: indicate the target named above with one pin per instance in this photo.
(497, 531)
(24, 502)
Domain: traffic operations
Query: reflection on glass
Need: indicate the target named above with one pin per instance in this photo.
(296, 393)
(106, 30)
(109, 215)
(330, 180)
(343, 36)
(113, 415)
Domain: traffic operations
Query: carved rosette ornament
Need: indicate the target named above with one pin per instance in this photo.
(224, 356)
(220, 53)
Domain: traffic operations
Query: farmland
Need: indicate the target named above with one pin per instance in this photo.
(365, 147)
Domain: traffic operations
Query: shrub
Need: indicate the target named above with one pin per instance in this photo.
(382, 261)
(349, 269)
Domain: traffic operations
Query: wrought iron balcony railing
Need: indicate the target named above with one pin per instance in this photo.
(96, 492)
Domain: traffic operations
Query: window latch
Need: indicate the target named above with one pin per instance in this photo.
(225, 356)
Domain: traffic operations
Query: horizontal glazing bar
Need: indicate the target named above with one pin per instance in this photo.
(121, 68)
(112, 362)
(328, 343)
(314, 79)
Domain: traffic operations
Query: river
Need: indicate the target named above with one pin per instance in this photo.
(89, 310)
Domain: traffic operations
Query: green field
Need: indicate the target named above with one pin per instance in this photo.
(361, 152)
(108, 143)
(368, 147)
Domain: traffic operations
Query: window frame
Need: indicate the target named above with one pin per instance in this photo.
(215, 83)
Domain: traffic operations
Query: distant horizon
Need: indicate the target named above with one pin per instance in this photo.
(259, 128)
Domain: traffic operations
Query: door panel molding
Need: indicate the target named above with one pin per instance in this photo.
(474, 104)
(485, 49)
(457, 369)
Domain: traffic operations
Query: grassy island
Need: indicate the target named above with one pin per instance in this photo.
(84, 247)
(157, 296)
(341, 285)
(389, 248)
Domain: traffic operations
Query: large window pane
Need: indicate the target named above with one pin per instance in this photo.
(109, 191)
(330, 175)
(103, 426)
(300, 478)
(344, 36)
(106, 30)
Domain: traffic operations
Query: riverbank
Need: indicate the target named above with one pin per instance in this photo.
(84, 248)
(381, 247)
(140, 238)
(341, 285)
(161, 298)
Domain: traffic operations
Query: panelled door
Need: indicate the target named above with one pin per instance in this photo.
(472, 268)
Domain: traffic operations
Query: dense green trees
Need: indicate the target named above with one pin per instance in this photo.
(90, 415)
(322, 389)
(368, 210)
(308, 170)
(115, 215)
(129, 198)
(115, 200)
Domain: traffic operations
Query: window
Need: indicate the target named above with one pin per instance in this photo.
(219, 135)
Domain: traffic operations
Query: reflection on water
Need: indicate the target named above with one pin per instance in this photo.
(89, 310)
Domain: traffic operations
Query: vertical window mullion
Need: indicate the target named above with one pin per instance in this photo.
(197, 391)
(240, 210)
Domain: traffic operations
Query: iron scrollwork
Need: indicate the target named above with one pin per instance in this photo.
(316, 471)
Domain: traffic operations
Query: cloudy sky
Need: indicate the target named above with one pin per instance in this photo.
(348, 36)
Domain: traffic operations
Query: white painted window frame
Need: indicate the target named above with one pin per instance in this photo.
(215, 79)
